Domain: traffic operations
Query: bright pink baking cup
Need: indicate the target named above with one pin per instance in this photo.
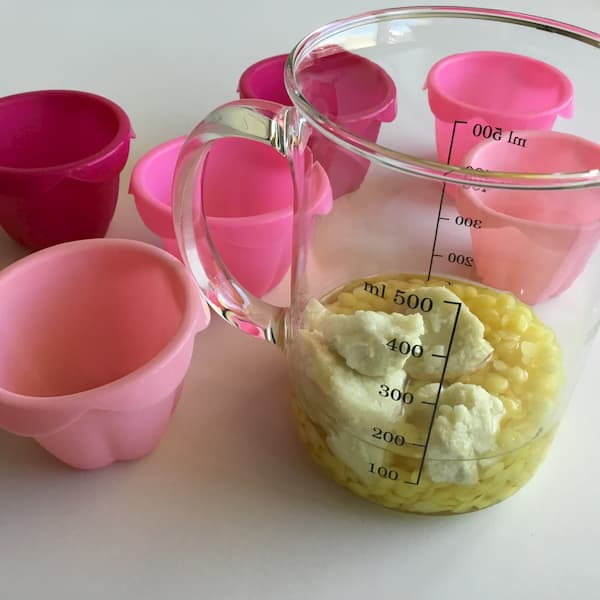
(354, 92)
(61, 153)
(533, 243)
(96, 337)
(249, 208)
(485, 95)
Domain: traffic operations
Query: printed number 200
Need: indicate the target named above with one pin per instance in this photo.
(460, 259)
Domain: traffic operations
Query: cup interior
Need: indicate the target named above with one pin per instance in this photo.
(264, 80)
(49, 129)
(339, 84)
(343, 85)
(545, 152)
(500, 81)
(81, 318)
(244, 178)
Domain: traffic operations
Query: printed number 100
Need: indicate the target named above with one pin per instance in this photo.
(383, 472)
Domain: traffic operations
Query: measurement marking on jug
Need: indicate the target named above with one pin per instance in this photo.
(452, 138)
(405, 348)
(375, 290)
(384, 472)
(487, 132)
(474, 187)
(496, 133)
(401, 297)
(516, 140)
(388, 436)
(441, 204)
(468, 222)
(460, 259)
(396, 394)
(437, 226)
(439, 391)
(413, 301)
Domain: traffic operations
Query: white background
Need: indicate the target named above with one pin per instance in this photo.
(229, 506)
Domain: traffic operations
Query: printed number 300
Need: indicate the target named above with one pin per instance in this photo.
(395, 394)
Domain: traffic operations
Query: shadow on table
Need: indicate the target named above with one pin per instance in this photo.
(231, 452)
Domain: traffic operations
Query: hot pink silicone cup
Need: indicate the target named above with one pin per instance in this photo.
(96, 337)
(533, 243)
(249, 211)
(486, 95)
(355, 93)
(61, 153)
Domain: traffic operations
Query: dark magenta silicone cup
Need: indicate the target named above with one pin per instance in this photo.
(61, 153)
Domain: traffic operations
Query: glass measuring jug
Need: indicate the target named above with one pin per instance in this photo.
(440, 312)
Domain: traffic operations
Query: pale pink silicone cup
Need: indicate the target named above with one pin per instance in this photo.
(249, 210)
(61, 153)
(486, 95)
(354, 92)
(96, 337)
(533, 243)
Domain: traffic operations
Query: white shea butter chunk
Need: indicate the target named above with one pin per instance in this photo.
(356, 454)
(466, 425)
(344, 393)
(313, 315)
(361, 338)
(469, 348)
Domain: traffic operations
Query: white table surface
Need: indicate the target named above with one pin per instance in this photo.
(229, 506)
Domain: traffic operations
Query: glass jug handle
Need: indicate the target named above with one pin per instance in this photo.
(258, 120)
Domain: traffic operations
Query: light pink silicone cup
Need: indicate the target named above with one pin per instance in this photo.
(533, 243)
(477, 95)
(249, 211)
(96, 337)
